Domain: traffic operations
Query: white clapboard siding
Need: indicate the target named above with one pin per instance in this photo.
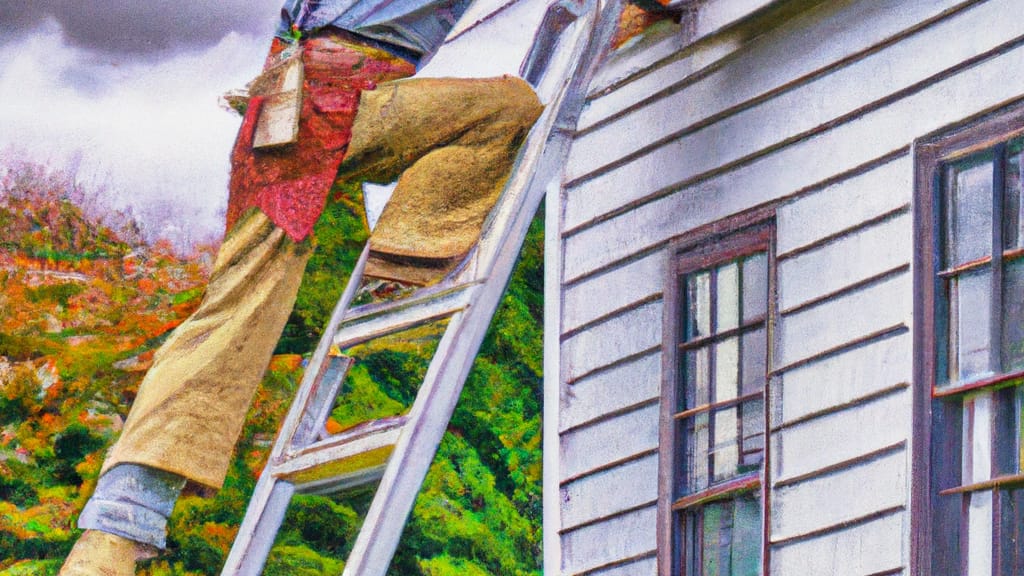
(797, 110)
(818, 116)
(713, 16)
(861, 198)
(808, 163)
(610, 492)
(832, 500)
(834, 32)
(630, 435)
(813, 331)
(872, 547)
(612, 291)
(635, 331)
(662, 42)
(612, 391)
(644, 566)
(613, 542)
(853, 258)
(830, 440)
(848, 377)
(654, 78)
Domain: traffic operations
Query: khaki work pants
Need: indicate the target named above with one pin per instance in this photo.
(453, 141)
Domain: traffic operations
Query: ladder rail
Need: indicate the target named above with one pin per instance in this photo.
(254, 539)
(378, 539)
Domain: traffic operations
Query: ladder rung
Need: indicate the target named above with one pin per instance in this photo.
(343, 460)
(375, 320)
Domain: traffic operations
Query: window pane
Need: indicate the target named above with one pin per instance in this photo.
(746, 549)
(1013, 316)
(696, 461)
(1011, 532)
(977, 462)
(726, 452)
(728, 308)
(751, 435)
(970, 314)
(755, 286)
(717, 537)
(697, 378)
(979, 538)
(755, 360)
(727, 361)
(969, 221)
(1011, 199)
(698, 306)
(726, 537)
(1019, 429)
(1004, 424)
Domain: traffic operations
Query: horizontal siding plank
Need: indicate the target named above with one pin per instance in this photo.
(797, 110)
(815, 330)
(835, 438)
(858, 256)
(610, 492)
(626, 536)
(713, 16)
(807, 163)
(611, 391)
(839, 497)
(866, 548)
(643, 567)
(660, 42)
(655, 79)
(608, 342)
(587, 449)
(846, 204)
(613, 290)
(846, 377)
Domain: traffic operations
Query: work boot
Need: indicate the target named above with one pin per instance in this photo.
(100, 554)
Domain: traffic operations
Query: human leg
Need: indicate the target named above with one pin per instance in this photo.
(453, 141)
(192, 402)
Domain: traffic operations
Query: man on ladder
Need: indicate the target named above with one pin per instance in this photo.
(451, 141)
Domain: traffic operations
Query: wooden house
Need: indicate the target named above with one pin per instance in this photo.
(785, 296)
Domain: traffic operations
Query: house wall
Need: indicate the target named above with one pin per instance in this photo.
(816, 115)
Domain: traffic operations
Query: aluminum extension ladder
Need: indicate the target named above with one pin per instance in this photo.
(399, 450)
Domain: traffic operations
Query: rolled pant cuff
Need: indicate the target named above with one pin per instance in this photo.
(133, 502)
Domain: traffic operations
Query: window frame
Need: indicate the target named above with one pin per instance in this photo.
(703, 248)
(939, 412)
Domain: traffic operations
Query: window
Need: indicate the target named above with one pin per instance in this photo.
(713, 437)
(971, 349)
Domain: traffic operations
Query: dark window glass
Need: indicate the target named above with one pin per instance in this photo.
(719, 418)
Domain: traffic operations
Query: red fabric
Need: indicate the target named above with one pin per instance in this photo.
(290, 185)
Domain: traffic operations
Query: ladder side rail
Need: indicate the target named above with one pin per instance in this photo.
(270, 498)
(300, 405)
(396, 495)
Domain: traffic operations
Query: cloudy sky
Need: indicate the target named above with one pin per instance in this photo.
(129, 88)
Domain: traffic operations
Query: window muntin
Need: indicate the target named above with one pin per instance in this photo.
(982, 275)
(717, 423)
(974, 311)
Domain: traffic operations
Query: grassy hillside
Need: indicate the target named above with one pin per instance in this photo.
(83, 305)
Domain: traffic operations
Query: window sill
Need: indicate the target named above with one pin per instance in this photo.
(997, 381)
(997, 482)
(718, 492)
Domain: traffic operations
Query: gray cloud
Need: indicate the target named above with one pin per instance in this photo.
(141, 27)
